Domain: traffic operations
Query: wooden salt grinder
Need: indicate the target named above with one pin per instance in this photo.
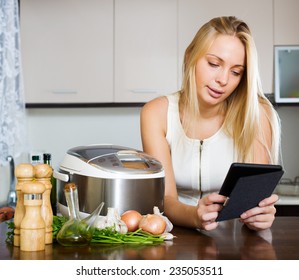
(24, 173)
(33, 225)
(43, 173)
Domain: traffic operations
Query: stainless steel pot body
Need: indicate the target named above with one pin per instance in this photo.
(123, 194)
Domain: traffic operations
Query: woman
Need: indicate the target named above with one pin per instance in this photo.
(220, 116)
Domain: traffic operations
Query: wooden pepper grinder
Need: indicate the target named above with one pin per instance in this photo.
(43, 173)
(24, 173)
(33, 225)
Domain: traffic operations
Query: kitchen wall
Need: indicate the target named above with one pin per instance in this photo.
(56, 130)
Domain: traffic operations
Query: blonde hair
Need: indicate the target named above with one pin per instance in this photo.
(243, 107)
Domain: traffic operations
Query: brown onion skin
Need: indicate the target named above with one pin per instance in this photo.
(153, 223)
(6, 213)
(132, 219)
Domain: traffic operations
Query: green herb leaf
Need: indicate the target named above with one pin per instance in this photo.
(58, 222)
(110, 235)
(9, 234)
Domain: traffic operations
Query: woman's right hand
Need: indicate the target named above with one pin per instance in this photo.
(207, 210)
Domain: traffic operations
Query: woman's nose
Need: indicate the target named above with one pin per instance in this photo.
(222, 77)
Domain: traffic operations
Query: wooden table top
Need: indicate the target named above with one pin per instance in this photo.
(230, 241)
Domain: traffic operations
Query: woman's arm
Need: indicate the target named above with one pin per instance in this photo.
(263, 216)
(262, 143)
(153, 133)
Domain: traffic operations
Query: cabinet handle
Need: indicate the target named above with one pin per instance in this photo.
(144, 91)
(64, 91)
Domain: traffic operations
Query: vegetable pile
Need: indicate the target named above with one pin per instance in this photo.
(154, 223)
(109, 235)
(129, 228)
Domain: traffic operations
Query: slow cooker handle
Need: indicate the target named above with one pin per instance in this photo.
(61, 176)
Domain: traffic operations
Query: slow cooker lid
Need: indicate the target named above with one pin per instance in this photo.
(88, 153)
(111, 158)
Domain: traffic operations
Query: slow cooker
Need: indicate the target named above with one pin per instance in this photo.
(121, 177)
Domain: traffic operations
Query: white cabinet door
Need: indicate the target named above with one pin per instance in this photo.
(257, 14)
(145, 49)
(67, 50)
(286, 22)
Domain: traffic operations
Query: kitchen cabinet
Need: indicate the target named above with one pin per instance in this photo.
(103, 51)
(67, 51)
(286, 22)
(126, 51)
(257, 14)
(145, 49)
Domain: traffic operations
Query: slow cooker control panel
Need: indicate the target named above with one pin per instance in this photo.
(126, 162)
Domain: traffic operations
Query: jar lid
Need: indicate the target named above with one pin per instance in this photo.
(47, 156)
(35, 158)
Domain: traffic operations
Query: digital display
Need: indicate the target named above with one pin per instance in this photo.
(134, 164)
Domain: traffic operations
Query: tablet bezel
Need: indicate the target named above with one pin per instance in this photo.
(238, 170)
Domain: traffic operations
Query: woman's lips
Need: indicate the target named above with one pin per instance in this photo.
(215, 93)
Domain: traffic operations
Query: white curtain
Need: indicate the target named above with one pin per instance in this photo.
(12, 109)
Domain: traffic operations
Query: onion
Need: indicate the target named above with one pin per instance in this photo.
(132, 219)
(6, 213)
(153, 224)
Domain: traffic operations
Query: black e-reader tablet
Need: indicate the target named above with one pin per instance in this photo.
(245, 185)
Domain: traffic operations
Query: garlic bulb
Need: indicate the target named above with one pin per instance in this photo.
(111, 220)
(169, 225)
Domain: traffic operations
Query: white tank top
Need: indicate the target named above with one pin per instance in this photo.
(200, 166)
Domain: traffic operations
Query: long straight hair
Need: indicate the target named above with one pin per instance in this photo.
(243, 107)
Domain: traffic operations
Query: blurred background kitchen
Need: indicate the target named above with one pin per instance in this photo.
(88, 66)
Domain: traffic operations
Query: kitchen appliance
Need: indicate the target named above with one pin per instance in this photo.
(121, 177)
(12, 195)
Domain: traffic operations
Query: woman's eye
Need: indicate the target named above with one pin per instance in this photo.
(213, 64)
(236, 73)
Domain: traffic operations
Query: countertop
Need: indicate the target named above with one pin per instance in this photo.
(231, 240)
(288, 194)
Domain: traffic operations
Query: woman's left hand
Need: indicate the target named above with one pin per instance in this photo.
(262, 216)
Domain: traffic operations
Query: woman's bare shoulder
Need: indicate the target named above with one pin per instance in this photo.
(155, 107)
(267, 113)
